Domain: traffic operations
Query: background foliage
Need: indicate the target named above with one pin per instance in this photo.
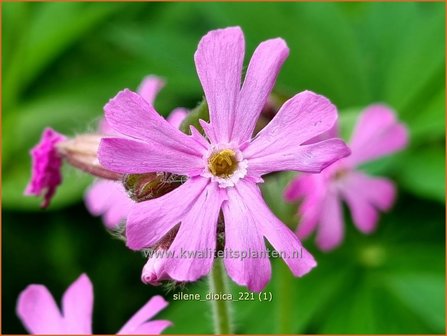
(62, 61)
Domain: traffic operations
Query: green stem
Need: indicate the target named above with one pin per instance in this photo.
(286, 295)
(221, 308)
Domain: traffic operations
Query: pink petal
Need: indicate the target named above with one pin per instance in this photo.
(331, 231)
(310, 213)
(151, 220)
(333, 132)
(177, 116)
(109, 199)
(296, 188)
(153, 271)
(219, 59)
(104, 128)
(258, 84)
(312, 158)
(381, 192)
(364, 215)
(129, 114)
(77, 306)
(377, 134)
(38, 311)
(195, 134)
(194, 245)
(302, 186)
(364, 195)
(241, 238)
(150, 87)
(149, 310)
(312, 188)
(133, 157)
(301, 118)
(277, 233)
(46, 167)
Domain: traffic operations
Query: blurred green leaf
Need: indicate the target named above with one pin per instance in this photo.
(422, 171)
(423, 293)
(355, 313)
(46, 38)
(322, 59)
(405, 81)
(70, 191)
(185, 314)
(428, 124)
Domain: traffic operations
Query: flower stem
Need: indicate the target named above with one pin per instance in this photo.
(221, 308)
(286, 293)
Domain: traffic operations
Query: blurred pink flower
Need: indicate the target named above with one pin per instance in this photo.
(376, 134)
(109, 198)
(40, 314)
(46, 167)
(225, 167)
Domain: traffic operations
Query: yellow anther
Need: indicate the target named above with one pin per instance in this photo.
(223, 163)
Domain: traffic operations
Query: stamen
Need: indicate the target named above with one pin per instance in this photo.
(223, 163)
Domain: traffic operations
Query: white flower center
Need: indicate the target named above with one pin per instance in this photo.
(225, 165)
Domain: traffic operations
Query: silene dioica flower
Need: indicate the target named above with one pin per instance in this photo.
(46, 166)
(106, 196)
(376, 134)
(224, 167)
(110, 198)
(52, 151)
(40, 314)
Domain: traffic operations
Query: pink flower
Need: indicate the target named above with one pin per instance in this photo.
(40, 314)
(109, 198)
(46, 166)
(153, 271)
(376, 134)
(224, 168)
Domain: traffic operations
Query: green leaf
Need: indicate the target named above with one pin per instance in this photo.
(324, 54)
(422, 171)
(69, 192)
(405, 82)
(46, 38)
(428, 124)
(422, 293)
(355, 313)
(185, 313)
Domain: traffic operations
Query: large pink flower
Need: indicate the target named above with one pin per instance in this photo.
(224, 168)
(46, 165)
(109, 198)
(376, 134)
(41, 315)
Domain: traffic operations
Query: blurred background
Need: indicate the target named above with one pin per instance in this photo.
(61, 62)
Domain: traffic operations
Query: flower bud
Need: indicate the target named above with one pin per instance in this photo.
(153, 271)
(81, 152)
(143, 187)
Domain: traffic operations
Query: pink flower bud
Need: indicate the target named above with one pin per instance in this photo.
(81, 152)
